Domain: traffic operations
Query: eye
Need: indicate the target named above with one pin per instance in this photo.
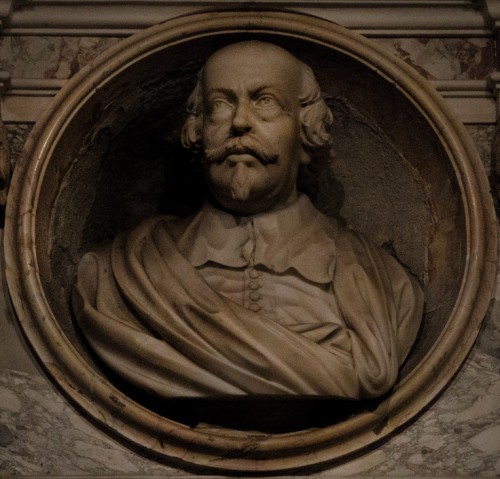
(220, 109)
(267, 102)
(219, 104)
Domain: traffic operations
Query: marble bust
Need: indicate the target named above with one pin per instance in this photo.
(258, 293)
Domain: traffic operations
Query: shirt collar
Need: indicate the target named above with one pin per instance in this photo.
(297, 237)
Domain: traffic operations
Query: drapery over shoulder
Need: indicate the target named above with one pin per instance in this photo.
(151, 317)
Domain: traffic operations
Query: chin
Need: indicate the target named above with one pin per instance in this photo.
(255, 193)
(255, 203)
(233, 205)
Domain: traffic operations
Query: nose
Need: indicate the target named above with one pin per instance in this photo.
(242, 122)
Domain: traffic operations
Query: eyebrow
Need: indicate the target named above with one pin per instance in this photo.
(258, 90)
(225, 91)
(230, 93)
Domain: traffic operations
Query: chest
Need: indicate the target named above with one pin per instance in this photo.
(285, 298)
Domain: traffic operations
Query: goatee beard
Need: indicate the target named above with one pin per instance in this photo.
(240, 183)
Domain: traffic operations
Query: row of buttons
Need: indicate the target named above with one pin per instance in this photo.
(254, 296)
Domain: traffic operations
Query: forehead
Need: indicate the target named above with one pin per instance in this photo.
(252, 66)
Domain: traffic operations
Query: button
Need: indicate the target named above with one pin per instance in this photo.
(254, 285)
(254, 296)
(254, 307)
(254, 274)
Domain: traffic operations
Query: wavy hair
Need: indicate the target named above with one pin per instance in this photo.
(315, 117)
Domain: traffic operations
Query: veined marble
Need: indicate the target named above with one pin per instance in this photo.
(483, 135)
(17, 135)
(458, 435)
(42, 434)
(445, 58)
(49, 57)
(61, 57)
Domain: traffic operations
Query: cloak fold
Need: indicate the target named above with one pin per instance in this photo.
(152, 318)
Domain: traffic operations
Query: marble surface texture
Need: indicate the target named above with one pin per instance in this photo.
(483, 136)
(42, 434)
(458, 436)
(445, 58)
(49, 57)
(61, 57)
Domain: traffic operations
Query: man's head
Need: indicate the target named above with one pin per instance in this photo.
(256, 114)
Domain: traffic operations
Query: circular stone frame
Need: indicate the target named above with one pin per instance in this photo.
(222, 449)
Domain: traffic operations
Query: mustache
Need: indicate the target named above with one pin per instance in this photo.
(238, 146)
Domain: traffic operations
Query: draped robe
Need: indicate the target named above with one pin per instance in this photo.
(151, 316)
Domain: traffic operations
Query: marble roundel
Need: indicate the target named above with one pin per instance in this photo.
(107, 154)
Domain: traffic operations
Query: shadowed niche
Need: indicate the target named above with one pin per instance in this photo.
(381, 179)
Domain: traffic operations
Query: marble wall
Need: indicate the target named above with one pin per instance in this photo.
(446, 58)
(49, 57)
(42, 434)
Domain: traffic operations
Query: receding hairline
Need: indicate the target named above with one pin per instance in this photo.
(266, 47)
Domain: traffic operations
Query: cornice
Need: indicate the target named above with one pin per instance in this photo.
(369, 17)
(4, 82)
(494, 83)
(5, 10)
(24, 100)
(491, 9)
(494, 86)
(473, 100)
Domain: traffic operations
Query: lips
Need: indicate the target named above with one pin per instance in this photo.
(241, 154)
(242, 157)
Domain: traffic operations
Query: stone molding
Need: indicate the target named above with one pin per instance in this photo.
(5, 11)
(24, 100)
(4, 82)
(491, 9)
(494, 86)
(472, 100)
(370, 17)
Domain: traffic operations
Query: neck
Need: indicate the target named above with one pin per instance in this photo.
(252, 208)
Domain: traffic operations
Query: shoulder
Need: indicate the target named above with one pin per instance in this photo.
(99, 254)
(357, 252)
(359, 257)
(353, 244)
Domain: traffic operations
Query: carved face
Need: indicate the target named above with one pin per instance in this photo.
(251, 137)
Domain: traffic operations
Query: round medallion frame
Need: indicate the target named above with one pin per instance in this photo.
(217, 448)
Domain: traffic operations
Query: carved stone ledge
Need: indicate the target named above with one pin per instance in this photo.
(24, 100)
(371, 18)
(491, 9)
(5, 169)
(4, 82)
(472, 100)
(6, 7)
(494, 86)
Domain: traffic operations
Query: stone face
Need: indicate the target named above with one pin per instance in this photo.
(259, 117)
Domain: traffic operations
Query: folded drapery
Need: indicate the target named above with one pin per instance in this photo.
(152, 318)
